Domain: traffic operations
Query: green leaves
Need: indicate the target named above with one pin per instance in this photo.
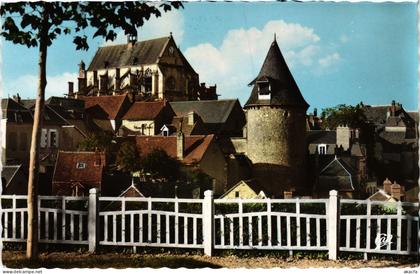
(24, 23)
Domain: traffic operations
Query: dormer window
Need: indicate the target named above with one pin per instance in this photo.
(165, 131)
(264, 90)
(80, 165)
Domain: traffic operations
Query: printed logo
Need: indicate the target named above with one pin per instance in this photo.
(382, 239)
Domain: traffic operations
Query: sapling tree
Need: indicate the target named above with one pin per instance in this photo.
(38, 24)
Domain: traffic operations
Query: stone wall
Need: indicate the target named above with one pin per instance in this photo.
(276, 147)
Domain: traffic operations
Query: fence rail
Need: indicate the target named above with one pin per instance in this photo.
(331, 225)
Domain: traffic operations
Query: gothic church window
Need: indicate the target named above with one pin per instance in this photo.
(148, 81)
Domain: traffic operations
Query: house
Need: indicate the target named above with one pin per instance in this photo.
(106, 112)
(16, 131)
(195, 152)
(151, 69)
(77, 172)
(395, 142)
(245, 189)
(338, 174)
(223, 118)
(147, 118)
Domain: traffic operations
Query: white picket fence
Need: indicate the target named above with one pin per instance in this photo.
(262, 224)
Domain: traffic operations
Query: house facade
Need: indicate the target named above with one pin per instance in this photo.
(147, 118)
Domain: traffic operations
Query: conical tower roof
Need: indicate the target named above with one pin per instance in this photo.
(284, 90)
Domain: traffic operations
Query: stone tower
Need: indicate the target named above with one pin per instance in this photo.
(276, 127)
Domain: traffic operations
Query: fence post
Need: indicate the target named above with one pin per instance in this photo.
(93, 219)
(333, 225)
(208, 222)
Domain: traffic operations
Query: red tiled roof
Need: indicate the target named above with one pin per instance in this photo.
(194, 148)
(144, 110)
(111, 104)
(66, 167)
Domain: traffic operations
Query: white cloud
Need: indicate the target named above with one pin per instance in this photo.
(172, 21)
(26, 85)
(329, 60)
(238, 59)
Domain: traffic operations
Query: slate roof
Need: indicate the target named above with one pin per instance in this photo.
(66, 103)
(336, 175)
(284, 90)
(66, 167)
(15, 112)
(106, 107)
(28, 103)
(143, 52)
(211, 111)
(194, 149)
(8, 172)
(321, 137)
(144, 110)
(393, 137)
(376, 114)
(414, 115)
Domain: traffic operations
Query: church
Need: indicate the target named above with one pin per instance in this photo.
(152, 69)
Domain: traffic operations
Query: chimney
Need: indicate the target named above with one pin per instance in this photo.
(315, 112)
(117, 79)
(396, 191)
(387, 186)
(131, 41)
(191, 118)
(180, 143)
(71, 90)
(343, 137)
(103, 82)
(18, 98)
(393, 108)
(95, 78)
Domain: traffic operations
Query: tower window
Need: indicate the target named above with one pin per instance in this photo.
(264, 90)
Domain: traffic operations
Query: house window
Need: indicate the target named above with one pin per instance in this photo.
(264, 90)
(23, 141)
(236, 194)
(322, 149)
(52, 140)
(143, 129)
(80, 165)
(49, 138)
(148, 81)
(165, 132)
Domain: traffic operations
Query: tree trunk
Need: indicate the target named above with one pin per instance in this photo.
(34, 160)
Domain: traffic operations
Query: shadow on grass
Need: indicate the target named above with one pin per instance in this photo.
(99, 261)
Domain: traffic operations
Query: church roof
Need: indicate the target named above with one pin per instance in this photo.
(143, 52)
(284, 90)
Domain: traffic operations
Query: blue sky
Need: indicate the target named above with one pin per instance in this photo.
(337, 52)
